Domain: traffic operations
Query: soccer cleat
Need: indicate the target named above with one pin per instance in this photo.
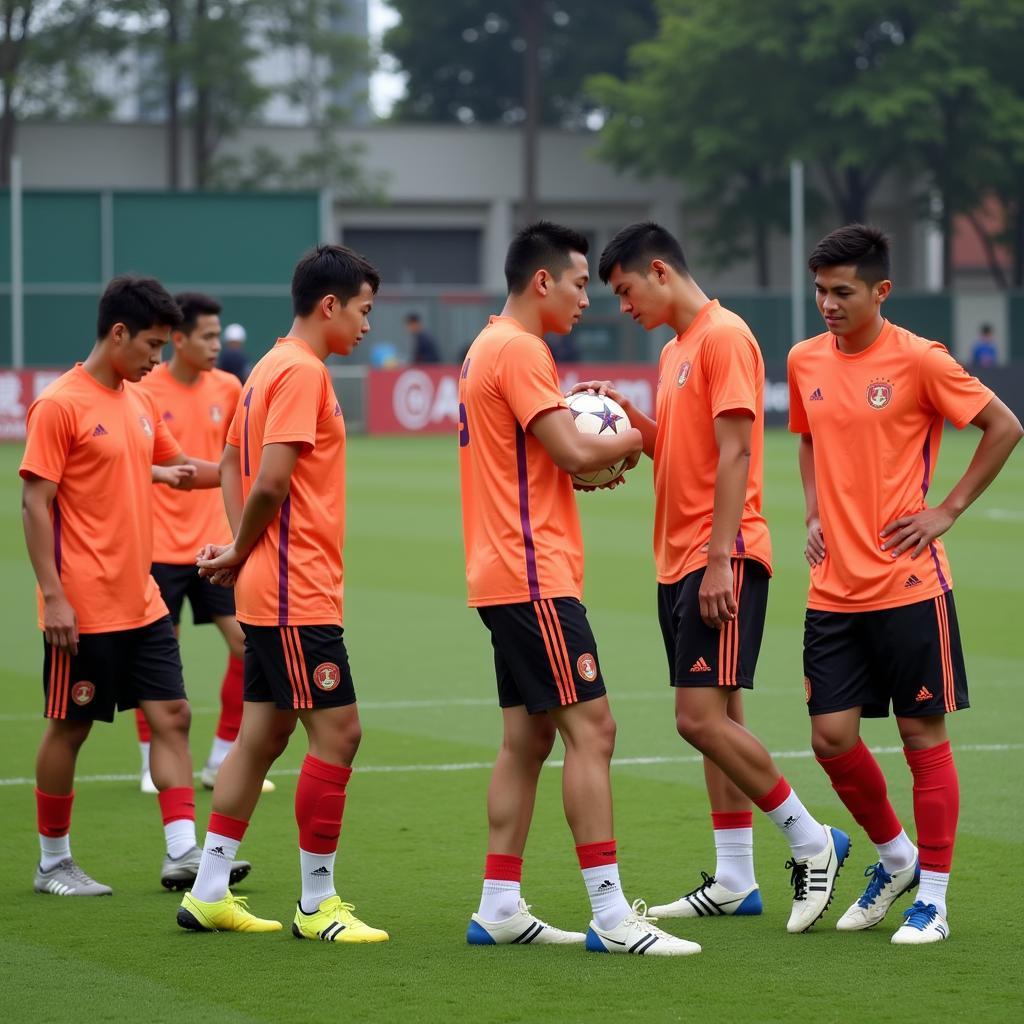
(637, 934)
(334, 922)
(227, 915)
(146, 783)
(68, 879)
(179, 873)
(521, 929)
(208, 776)
(710, 899)
(814, 880)
(921, 923)
(881, 893)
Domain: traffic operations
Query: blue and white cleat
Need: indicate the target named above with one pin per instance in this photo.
(710, 899)
(814, 880)
(921, 924)
(881, 893)
(637, 934)
(521, 929)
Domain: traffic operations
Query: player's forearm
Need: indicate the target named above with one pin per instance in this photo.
(994, 448)
(39, 541)
(648, 428)
(730, 495)
(806, 461)
(231, 491)
(260, 508)
(207, 473)
(594, 452)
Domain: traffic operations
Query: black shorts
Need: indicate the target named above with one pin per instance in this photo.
(545, 655)
(112, 671)
(208, 601)
(297, 667)
(701, 656)
(909, 655)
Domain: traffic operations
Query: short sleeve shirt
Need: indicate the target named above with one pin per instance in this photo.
(875, 420)
(98, 446)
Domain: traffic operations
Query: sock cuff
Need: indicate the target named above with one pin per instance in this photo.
(932, 757)
(731, 819)
(53, 813)
(177, 803)
(230, 828)
(503, 867)
(596, 855)
(775, 796)
(842, 763)
(337, 773)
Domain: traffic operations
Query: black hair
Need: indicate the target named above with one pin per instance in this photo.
(138, 303)
(985, 329)
(855, 245)
(330, 270)
(413, 318)
(635, 246)
(193, 305)
(541, 245)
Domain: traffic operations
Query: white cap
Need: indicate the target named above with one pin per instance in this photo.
(234, 332)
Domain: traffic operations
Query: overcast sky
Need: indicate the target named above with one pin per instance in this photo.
(385, 85)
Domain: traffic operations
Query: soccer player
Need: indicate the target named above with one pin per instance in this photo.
(869, 400)
(87, 511)
(284, 487)
(713, 557)
(196, 402)
(518, 446)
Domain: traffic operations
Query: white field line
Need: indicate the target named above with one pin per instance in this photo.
(470, 766)
(1009, 515)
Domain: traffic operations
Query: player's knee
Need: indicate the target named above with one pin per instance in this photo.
(170, 717)
(604, 732)
(68, 734)
(692, 728)
(829, 741)
(922, 733)
(543, 742)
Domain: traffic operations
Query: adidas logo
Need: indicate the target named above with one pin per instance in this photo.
(924, 694)
(168, 416)
(789, 821)
(912, 581)
(218, 851)
(700, 665)
(100, 431)
(607, 886)
(817, 396)
(337, 408)
(319, 871)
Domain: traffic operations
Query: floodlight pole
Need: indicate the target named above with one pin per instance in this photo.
(17, 270)
(798, 322)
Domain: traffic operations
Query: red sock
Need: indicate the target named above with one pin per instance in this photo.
(53, 814)
(230, 720)
(936, 804)
(230, 828)
(860, 784)
(320, 804)
(732, 819)
(143, 726)
(596, 855)
(775, 796)
(177, 803)
(502, 867)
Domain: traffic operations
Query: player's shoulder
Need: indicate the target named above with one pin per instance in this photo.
(809, 348)
(70, 392)
(225, 382)
(908, 343)
(726, 327)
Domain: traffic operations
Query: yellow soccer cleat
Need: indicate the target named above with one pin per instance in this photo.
(227, 915)
(334, 922)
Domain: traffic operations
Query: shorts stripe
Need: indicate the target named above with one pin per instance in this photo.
(51, 697)
(563, 651)
(301, 663)
(556, 670)
(60, 674)
(729, 638)
(298, 700)
(948, 689)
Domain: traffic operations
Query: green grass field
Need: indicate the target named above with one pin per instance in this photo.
(414, 834)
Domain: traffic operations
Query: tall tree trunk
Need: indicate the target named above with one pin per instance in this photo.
(12, 52)
(995, 268)
(201, 127)
(1018, 241)
(173, 96)
(531, 103)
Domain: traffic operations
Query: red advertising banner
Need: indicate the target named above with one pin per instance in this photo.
(425, 399)
(18, 390)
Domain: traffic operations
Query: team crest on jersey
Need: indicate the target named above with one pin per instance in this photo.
(879, 393)
(807, 689)
(215, 413)
(82, 693)
(684, 374)
(147, 427)
(327, 676)
(586, 665)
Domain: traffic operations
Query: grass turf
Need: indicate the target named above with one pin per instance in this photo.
(413, 841)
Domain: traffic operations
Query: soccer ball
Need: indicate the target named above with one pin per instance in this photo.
(598, 414)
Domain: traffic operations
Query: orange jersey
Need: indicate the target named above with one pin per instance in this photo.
(293, 575)
(875, 420)
(520, 523)
(98, 446)
(198, 415)
(713, 367)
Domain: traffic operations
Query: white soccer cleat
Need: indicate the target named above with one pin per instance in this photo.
(146, 783)
(68, 879)
(521, 929)
(208, 777)
(637, 934)
(921, 924)
(814, 880)
(710, 899)
(882, 891)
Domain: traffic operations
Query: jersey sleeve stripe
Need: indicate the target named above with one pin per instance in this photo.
(563, 652)
(282, 562)
(524, 514)
(555, 669)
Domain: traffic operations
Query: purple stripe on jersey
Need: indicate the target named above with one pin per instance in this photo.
(943, 582)
(927, 455)
(524, 514)
(57, 554)
(282, 563)
(245, 439)
(741, 548)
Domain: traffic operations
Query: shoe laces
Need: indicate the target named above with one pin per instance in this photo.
(238, 902)
(639, 916)
(524, 908)
(920, 915)
(74, 871)
(880, 878)
(709, 880)
(798, 878)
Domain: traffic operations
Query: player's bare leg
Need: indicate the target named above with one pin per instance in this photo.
(58, 754)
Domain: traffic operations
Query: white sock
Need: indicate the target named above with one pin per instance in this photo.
(805, 835)
(499, 900)
(317, 879)
(932, 889)
(898, 853)
(144, 751)
(219, 854)
(606, 900)
(218, 752)
(180, 836)
(53, 849)
(735, 865)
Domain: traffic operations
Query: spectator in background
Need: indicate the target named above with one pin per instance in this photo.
(232, 358)
(984, 351)
(424, 345)
(564, 349)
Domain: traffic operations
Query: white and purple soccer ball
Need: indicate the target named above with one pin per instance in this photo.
(598, 414)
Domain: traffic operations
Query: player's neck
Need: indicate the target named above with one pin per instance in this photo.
(309, 332)
(182, 372)
(100, 367)
(855, 342)
(522, 312)
(688, 300)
